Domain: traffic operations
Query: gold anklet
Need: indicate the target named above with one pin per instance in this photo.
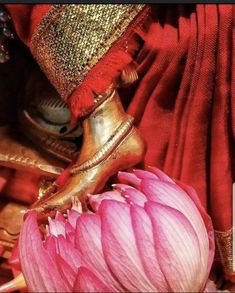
(107, 149)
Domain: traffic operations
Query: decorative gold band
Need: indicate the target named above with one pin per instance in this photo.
(71, 39)
(224, 243)
(106, 150)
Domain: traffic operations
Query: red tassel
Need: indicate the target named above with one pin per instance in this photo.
(97, 81)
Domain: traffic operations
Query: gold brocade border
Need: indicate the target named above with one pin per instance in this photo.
(71, 39)
(224, 243)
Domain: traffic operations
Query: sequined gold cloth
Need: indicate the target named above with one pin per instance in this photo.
(71, 39)
(224, 243)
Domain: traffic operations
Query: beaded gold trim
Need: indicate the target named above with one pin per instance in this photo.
(71, 39)
(224, 243)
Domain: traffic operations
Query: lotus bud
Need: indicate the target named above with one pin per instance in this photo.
(150, 234)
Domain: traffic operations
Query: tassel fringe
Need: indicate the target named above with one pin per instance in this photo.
(97, 81)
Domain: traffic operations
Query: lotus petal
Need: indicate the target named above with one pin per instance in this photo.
(50, 245)
(56, 227)
(96, 199)
(176, 240)
(129, 178)
(173, 196)
(207, 221)
(70, 237)
(69, 233)
(88, 242)
(73, 216)
(119, 246)
(143, 230)
(59, 217)
(131, 194)
(142, 174)
(39, 268)
(193, 195)
(87, 281)
(121, 186)
(66, 271)
(69, 253)
(134, 196)
(69, 228)
(76, 205)
(161, 175)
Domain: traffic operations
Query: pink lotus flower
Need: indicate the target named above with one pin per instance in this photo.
(148, 234)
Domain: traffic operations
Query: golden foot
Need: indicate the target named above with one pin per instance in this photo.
(127, 153)
(111, 143)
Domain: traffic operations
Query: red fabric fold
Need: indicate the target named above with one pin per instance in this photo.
(97, 81)
(26, 17)
(182, 102)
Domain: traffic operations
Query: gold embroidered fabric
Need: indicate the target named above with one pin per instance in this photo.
(224, 243)
(71, 39)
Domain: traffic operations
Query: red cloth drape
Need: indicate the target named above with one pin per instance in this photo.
(26, 17)
(184, 101)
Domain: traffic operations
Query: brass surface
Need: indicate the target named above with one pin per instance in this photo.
(99, 128)
(15, 285)
(59, 147)
(45, 119)
(71, 39)
(106, 149)
(20, 154)
(44, 186)
(11, 219)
